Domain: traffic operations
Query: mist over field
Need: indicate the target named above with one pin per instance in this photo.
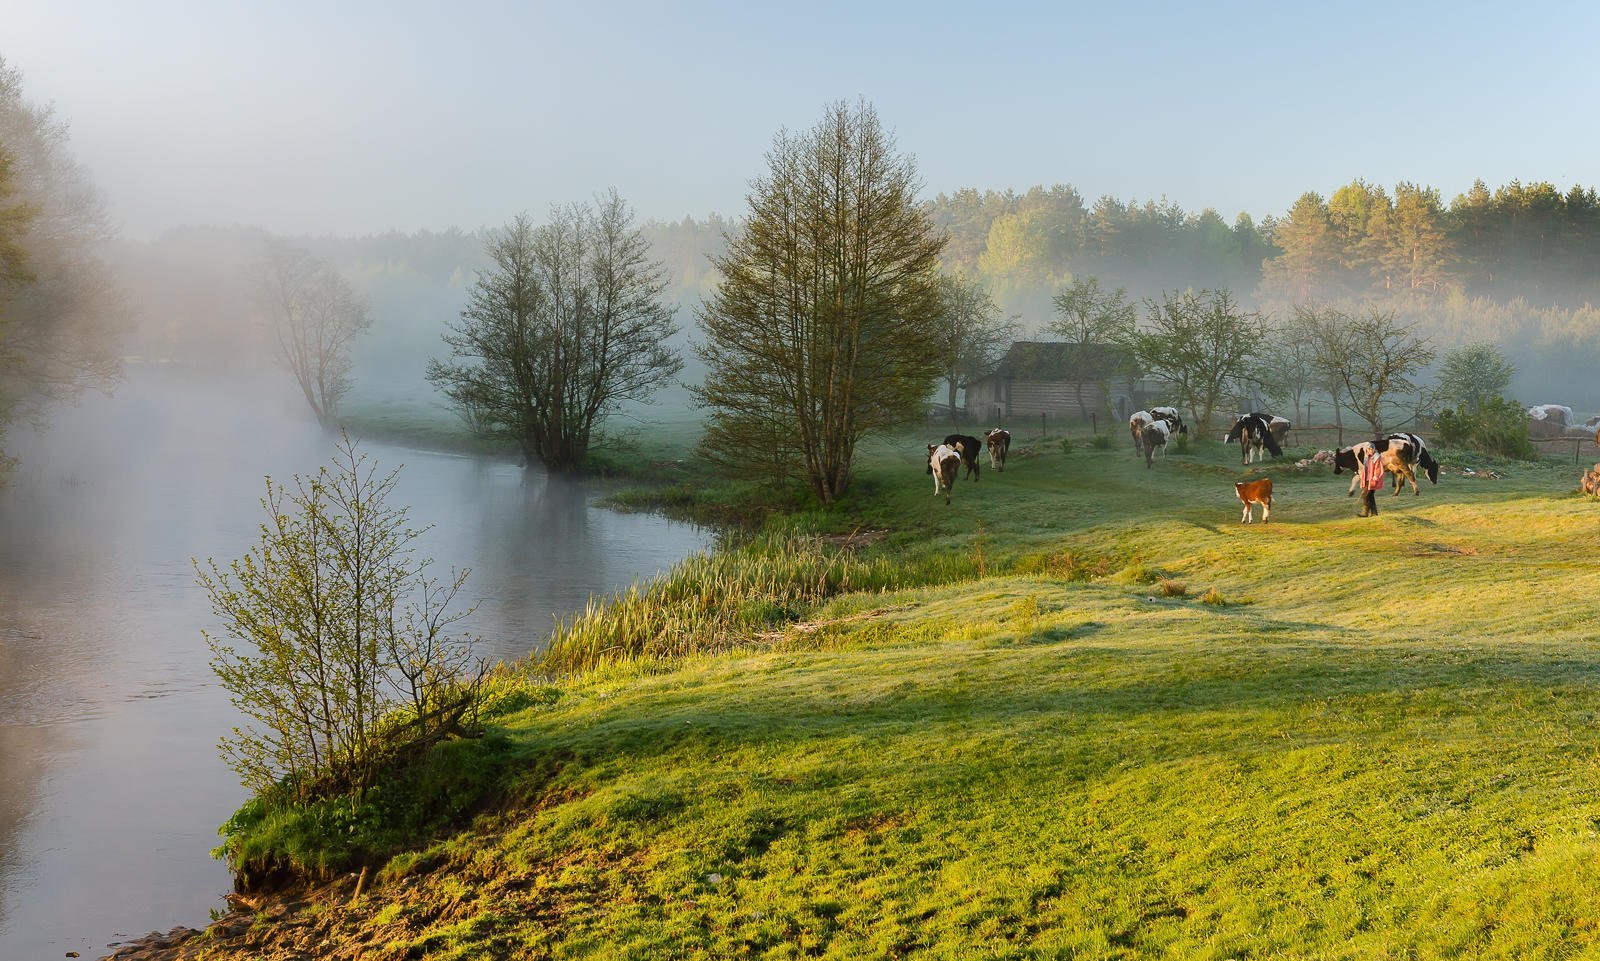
(657, 312)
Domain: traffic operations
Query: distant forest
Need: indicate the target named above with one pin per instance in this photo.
(1518, 266)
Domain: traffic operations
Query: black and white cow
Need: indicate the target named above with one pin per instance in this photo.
(998, 440)
(1254, 432)
(944, 463)
(1170, 415)
(969, 448)
(1153, 435)
(1279, 426)
(1350, 459)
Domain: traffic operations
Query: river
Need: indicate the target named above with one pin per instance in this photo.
(111, 788)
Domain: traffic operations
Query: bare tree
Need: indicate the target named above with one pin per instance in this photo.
(316, 316)
(1368, 358)
(1085, 315)
(1202, 345)
(820, 329)
(1291, 361)
(567, 325)
(974, 334)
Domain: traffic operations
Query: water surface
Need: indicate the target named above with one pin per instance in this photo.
(111, 789)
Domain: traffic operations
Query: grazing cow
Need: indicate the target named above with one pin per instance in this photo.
(1254, 432)
(1136, 422)
(1151, 436)
(969, 448)
(944, 463)
(1402, 454)
(1278, 426)
(999, 442)
(1418, 456)
(1255, 492)
(1170, 415)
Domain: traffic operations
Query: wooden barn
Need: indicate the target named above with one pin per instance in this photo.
(1061, 380)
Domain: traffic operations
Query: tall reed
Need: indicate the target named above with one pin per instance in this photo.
(717, 601)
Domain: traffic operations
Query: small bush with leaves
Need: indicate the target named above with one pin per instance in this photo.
(347, 662)
(1066, 445)
(1101, 442)
(1497, 427)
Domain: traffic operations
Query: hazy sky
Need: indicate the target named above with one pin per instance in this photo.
(352, 117)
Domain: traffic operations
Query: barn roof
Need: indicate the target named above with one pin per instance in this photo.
(1054, 360)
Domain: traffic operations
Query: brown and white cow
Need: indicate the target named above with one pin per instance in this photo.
(1136, 422)
(1255, 492)
(944, 463)
(1151, 436)
(998, 441)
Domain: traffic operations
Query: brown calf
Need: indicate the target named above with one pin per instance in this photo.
(1255, 492)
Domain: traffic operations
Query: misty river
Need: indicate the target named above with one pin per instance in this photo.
(111, 788)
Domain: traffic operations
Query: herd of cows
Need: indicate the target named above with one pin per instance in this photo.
(1398, 456)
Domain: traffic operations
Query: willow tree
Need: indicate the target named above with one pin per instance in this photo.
(825, 325)
(566, 325)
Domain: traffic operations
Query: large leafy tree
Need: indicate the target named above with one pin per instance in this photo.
(822, 328)
(1410, 248)
(1203, 345)
(59, 314)
(1473, 375)
(568, 324)
(1310, 263)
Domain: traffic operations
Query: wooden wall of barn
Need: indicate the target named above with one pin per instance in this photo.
(995, 398)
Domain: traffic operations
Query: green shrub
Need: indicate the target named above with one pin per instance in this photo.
(1181, 445)
(1101, 442)
(1066, 445)
(1497, 428)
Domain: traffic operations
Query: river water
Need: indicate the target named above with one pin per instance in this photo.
(111, 789)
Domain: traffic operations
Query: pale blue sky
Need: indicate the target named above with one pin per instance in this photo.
(373, 115)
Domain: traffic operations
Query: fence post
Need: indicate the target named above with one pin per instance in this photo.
(1042, 434)
(1094, 423)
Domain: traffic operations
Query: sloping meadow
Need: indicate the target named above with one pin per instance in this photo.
(1144, 730)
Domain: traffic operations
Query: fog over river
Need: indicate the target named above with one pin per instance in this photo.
(111, 789)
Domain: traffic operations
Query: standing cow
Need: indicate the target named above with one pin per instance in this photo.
(999, 443)
(969, 448)
(944, 463)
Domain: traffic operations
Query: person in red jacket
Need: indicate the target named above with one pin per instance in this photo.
(1372, 478)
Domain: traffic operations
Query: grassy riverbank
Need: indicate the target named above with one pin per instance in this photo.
(1080, 712)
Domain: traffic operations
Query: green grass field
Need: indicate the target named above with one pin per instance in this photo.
(1145, 731)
